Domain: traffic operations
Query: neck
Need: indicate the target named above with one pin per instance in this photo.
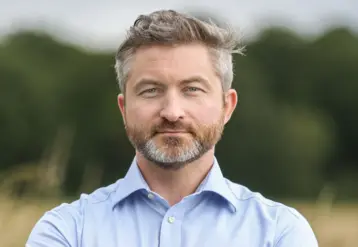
(174, 185)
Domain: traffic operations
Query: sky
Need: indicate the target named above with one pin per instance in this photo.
(101, 24)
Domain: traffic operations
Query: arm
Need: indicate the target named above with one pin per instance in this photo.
(55, 229)
(295, 231)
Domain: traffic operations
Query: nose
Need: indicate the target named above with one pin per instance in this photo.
(172, 109)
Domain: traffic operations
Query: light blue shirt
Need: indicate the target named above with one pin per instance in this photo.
(128, 214)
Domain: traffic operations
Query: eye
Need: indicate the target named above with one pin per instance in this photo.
(150, 92)
(192, 89)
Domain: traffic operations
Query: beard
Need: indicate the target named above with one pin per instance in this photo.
(174, 151)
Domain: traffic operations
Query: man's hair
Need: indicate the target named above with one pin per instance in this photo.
(170, 28)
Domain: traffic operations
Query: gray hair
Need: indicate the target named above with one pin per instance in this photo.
(168, 27)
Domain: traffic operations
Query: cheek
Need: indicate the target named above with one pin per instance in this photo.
(206, 114)
(139, 114)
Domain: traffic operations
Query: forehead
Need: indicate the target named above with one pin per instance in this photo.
(171, 62)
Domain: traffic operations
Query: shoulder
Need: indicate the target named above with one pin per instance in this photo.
(98, 198)
(287, 222)
(63, 224)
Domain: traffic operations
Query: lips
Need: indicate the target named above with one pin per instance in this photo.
(172, 131)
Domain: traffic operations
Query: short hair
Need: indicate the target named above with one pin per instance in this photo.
(168, 27)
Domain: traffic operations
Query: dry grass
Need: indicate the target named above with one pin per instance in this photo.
(335, 226)
(18, 217)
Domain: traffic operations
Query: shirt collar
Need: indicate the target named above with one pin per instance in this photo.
(214, 182)
(132, 182)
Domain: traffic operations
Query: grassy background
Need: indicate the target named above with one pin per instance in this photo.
(335, 225)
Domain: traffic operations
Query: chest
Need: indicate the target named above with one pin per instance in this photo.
(148, 227)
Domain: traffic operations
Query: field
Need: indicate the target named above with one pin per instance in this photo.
(335, 226)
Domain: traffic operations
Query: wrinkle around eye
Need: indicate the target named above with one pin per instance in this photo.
(150, 92)
(194, 90)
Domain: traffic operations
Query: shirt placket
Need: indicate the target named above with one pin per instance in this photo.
(171, 228)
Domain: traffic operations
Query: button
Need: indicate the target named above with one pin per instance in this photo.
(171, 219)
(151, 196)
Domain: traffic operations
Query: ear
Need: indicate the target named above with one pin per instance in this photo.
(230, 103)
(121, 105)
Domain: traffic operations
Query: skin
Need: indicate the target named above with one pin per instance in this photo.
(174, 98)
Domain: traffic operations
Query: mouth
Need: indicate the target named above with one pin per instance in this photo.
(172, 132)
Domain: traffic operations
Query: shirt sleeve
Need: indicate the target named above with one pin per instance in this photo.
(55, 229)
(295, 231)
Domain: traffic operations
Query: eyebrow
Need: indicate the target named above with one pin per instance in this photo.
(196, 78)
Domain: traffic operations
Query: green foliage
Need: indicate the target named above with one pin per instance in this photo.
(293, 131)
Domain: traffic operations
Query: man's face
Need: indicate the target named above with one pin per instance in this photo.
(174, 107)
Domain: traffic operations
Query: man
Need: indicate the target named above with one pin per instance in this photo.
(175, 74)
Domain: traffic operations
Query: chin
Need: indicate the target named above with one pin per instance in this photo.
(173, 142)
(172, 153)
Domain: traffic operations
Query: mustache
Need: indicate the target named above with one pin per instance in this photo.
(166, 125)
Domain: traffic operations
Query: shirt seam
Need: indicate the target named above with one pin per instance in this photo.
(280, 237)
(275, 204)
(96, 201)
(59, 214)
(105, 199)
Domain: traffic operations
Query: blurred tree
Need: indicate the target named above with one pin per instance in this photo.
(293, 130)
